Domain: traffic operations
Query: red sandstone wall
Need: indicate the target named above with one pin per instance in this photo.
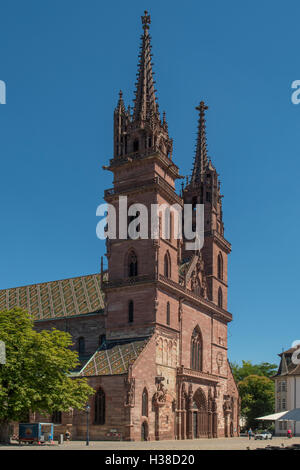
(89, 326)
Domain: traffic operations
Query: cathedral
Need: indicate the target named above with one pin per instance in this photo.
(151, 329)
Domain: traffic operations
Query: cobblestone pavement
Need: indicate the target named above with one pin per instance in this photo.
(238, 443)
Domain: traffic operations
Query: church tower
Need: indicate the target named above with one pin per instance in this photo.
(159, 296)
(145, 174)
(204, 188)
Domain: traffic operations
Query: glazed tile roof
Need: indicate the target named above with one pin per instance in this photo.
(56, 299)
(114, 358)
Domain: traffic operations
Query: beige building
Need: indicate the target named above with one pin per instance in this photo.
(287, 391)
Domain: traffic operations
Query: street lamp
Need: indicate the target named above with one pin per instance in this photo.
(87, 409)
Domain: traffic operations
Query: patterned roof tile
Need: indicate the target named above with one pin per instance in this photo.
(114, 358)
(50, 300)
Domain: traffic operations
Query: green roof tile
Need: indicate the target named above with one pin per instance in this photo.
(50, 300)
(114, 358)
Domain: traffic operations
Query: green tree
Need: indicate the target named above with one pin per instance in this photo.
(36, 374)
(257, 398)
(264, 369)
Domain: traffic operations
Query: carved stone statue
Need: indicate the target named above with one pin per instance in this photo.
(160, 395)
(227, 404)
(130, 389)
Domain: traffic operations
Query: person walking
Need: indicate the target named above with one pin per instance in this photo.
(289, 433)
(250, 433)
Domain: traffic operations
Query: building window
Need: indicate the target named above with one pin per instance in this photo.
(196, 349)
(130, 311)
(168, 313)
(220, 266)
(56, 417)
(283, 404)
(100, 407)
(145, 403)
(102, 338)
(132, 264)
(220, 298)
(283, 386)
(81, 345)
(167, 265)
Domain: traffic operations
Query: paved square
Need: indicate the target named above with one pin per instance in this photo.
(236, 443)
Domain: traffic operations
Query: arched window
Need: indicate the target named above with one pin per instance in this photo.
(81, 345)
(132, 264)
(220, 266)
(168, 313)
(100, 407)
(167, 265)
(220, 298)
(196, 349)
(130, 311)
(145, 403)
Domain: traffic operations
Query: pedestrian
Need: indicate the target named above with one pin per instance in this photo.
(250, 433)
(289, 433)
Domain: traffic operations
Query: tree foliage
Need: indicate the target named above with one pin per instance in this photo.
(257, 398)
(264, 369)
(256, 389)
(36, 374)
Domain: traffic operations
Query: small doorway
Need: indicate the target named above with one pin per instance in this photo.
(144, 431)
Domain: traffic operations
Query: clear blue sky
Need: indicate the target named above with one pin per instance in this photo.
(64, 63)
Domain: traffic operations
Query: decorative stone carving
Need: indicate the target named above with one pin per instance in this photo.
(195, 275)
(227, 405)
(130, 389)
(190, 396)
(159, 397)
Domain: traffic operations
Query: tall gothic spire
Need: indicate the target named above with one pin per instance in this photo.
(200, 160)
(145, 104)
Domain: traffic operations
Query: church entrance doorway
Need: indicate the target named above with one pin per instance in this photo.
(200, 417)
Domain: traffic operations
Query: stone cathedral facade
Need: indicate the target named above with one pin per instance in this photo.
(151, 330)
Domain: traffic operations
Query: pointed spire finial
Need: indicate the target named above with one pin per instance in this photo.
(201, 159)
(146, 20)
(145, 104)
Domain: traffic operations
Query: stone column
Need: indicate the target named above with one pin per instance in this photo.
(178, 424)
(183, 424)
(198, 423)
(210, 424)
(190, 413)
